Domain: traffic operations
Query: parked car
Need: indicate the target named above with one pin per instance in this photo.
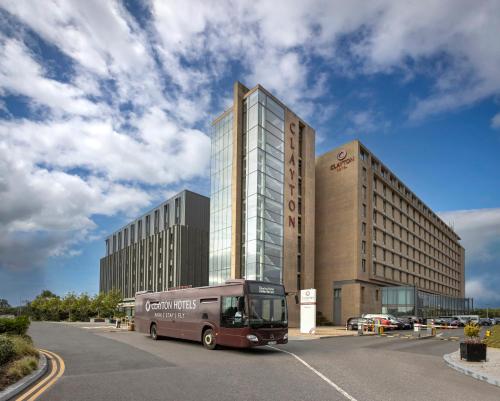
(484, 322)
(404, 325)
(411, 320)
(352, 323)
(385, 320)
(497, 320)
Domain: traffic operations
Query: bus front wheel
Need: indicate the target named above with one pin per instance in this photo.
(209, 339)
(153, 332)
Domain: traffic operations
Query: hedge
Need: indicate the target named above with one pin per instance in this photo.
(6, 349)
(18, 325)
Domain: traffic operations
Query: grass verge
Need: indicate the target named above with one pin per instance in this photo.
(20, 358)
(494, 340)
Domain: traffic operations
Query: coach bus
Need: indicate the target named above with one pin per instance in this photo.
(239, 313)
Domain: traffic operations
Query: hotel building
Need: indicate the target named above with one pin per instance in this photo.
(373, 232)
(262, 194)
(164, 248)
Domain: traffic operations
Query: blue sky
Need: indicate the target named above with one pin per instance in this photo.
(104, 109)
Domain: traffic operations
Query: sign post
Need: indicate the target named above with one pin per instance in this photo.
(308, 311)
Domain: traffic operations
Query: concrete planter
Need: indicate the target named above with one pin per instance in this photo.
(473, 352)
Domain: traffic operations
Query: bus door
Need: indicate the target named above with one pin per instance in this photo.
(232, 320)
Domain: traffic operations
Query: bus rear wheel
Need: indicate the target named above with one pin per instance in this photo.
(208, 339)
(153, 332)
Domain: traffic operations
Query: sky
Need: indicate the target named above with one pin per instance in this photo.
(105, 108)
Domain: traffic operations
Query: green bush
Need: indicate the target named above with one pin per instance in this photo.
(18, 325)
(7, 351)
(472, 330)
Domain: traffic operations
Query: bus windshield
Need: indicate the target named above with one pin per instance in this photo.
(267, 311)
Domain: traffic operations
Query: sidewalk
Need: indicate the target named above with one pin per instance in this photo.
(488, 371)
(321, 332)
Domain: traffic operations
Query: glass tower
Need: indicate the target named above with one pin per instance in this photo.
(220, 199)
(262, 188)
(262, 191)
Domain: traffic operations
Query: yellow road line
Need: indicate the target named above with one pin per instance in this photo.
(51, 374)
(56, 372)
(62, 368)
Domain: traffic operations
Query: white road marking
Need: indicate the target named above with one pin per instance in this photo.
(97, 327)
(326, 379)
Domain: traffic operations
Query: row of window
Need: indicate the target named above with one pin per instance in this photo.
(388, 241)
(418, 220)
(134, 232)
(394, 274)
(389, 177)
(399, 233)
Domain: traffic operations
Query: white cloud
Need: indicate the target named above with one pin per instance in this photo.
(21, 74)
(495, 121)
(483, 292)
(479, 230)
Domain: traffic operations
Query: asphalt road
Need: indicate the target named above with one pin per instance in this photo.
(107, 365)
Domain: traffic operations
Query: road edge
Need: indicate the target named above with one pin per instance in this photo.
(468, 371)
(25, 382)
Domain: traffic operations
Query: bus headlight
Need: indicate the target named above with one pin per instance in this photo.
(252, 338)
(285, 337)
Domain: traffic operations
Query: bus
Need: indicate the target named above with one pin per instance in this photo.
(239, 313)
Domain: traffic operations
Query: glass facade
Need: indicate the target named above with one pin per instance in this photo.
(262, 188)
(220, 199)
(410, 301)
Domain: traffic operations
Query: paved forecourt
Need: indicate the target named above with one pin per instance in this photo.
(103, 363)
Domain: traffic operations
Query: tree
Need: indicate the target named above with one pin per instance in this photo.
(4, 304)
(46, 306)
(109, 303)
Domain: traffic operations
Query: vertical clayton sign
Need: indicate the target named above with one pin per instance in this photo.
(292, 169)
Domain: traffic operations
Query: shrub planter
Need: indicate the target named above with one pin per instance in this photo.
(473, 352)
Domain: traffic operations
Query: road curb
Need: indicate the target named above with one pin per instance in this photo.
(470, 372)
(25, 382)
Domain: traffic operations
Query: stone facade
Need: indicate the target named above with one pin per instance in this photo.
(371, 232)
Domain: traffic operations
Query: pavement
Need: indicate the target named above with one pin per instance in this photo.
(321, 332)
(488, 371)
(109, 364)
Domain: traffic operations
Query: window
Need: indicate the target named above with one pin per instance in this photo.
(376, 295)
(166, 216)
(363, 247)
(157, 222)
(364, 174)
(363, 228)
(363, 265)
(364, 192)
(362, 155)
(362, 294)
(233, 312)
(148, 225)
(177, 210)
(364, 211)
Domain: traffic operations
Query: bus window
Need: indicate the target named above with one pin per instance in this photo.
(267, 311)
(233, 312)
